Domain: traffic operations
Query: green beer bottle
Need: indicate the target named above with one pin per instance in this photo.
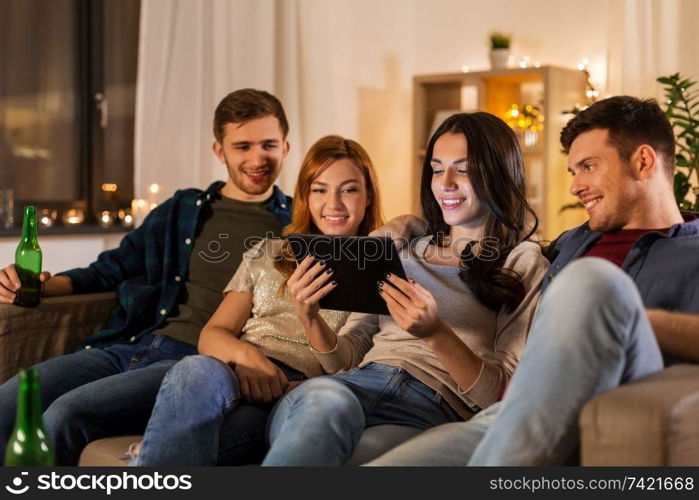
(28, 261)
(28, 444)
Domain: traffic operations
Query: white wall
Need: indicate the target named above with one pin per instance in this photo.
(359, 57)
(60, 253)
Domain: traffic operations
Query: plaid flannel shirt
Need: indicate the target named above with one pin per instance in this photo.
(149, 267)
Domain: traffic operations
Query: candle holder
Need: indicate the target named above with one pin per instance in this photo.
(47, 217)
(105, 219)
(73, 217)
(139, 210)
(126, 218)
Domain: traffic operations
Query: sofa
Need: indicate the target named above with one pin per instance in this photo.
(650, 422)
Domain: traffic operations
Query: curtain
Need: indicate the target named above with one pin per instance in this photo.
(191, 54)
(647, 39)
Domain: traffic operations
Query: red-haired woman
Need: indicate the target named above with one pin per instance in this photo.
(213, 408)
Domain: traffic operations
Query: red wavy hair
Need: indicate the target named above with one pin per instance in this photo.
(320, 156)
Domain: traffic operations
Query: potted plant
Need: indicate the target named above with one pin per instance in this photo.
(500, 57)
(682, 108)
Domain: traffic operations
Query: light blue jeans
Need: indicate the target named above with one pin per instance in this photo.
(321, 421)
(201, 418)
(590, 334)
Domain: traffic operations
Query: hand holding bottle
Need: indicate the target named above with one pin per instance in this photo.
(10, 283)
(28, 262)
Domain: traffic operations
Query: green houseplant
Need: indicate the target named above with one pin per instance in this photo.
(499, 50)
(499, 40)
(682, 108)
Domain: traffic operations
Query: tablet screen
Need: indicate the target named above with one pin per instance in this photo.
(358, 263)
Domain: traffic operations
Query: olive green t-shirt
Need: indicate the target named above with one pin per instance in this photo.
(227, 228)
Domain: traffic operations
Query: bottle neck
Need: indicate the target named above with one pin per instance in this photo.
(29, 406)
(29, 228)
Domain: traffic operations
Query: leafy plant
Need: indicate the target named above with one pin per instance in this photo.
(500, 40)
(682, 108)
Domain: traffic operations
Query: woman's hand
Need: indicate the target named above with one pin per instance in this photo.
(261, 381)
(412, 307)
(309, 283)
(415, 311)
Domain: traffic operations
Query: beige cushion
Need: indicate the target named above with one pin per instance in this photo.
(653, 421)
(107, 452)
(375, 442)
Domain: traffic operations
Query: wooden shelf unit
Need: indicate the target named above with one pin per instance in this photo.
(551, 89)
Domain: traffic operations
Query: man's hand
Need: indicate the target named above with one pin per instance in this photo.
(402, 229)
(10, 283)
(261, 381)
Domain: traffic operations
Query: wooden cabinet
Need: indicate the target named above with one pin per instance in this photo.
(550, 90)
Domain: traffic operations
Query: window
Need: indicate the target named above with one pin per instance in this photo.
(67, 101)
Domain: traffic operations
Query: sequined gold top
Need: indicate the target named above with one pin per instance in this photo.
(273, 326)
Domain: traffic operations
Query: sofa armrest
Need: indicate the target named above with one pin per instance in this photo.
(652, 421)
(54, 327)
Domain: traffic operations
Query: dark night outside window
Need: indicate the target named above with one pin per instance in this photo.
(67, 100)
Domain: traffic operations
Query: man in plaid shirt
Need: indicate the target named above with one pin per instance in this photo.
(169, 274)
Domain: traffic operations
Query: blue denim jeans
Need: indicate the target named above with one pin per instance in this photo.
(590, 334)
(96, 393)
(200, 418)
(447, 445)
(321, 421)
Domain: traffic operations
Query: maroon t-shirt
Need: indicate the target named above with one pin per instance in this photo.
(614, 246)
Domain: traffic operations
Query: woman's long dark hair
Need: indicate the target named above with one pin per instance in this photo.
(496, 172)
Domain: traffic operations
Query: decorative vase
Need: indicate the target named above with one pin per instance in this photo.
(500, 58)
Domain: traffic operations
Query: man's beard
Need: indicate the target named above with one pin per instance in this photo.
(244, 183)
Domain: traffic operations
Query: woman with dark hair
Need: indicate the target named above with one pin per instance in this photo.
(212, 408)
(456, 329)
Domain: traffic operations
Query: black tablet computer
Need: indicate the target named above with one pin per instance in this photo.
(358, 263)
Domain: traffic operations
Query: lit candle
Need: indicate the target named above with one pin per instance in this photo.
(73, 217)
(47, 217)
(126, 218)
(106, 219)
(139, 210)
(153, 189)
(109, 190)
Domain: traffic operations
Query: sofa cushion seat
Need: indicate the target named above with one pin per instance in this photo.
(374, 442)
